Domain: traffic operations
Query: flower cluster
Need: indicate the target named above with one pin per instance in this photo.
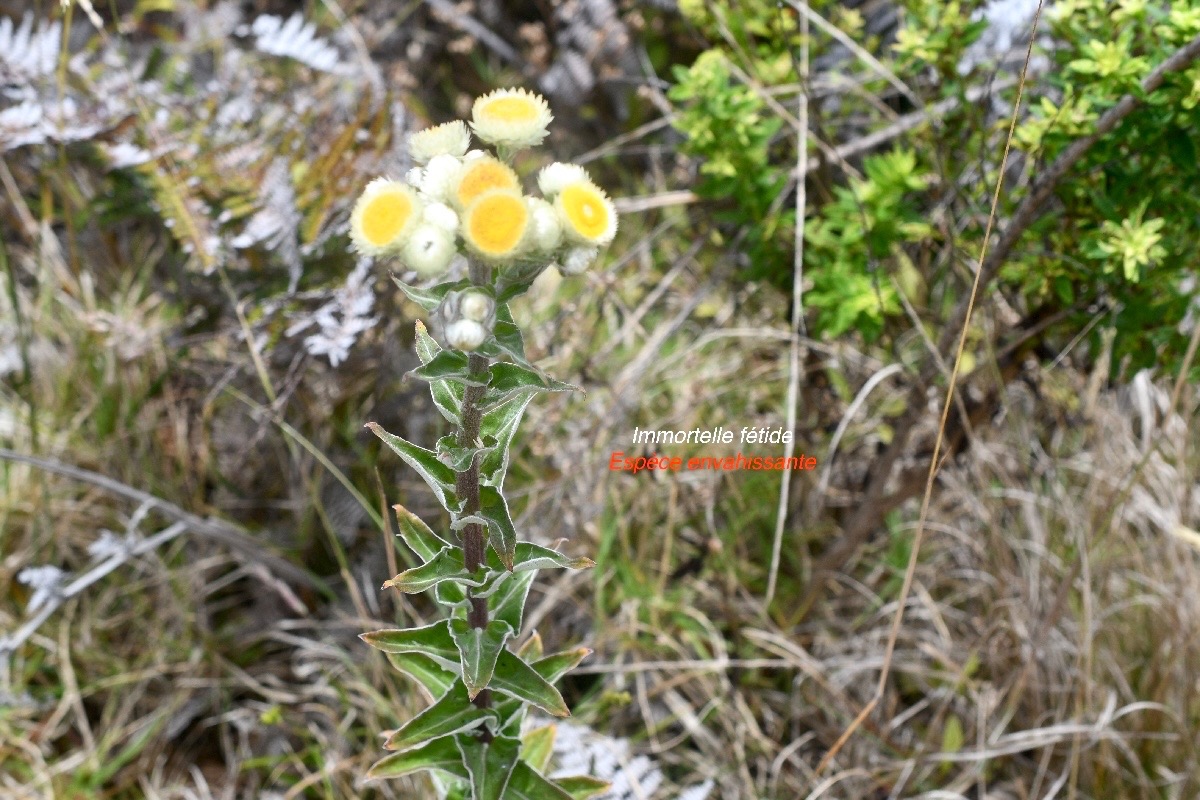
(459, 198)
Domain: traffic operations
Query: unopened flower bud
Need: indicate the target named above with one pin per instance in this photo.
(577, 259)
(465, 334)
(476, 306)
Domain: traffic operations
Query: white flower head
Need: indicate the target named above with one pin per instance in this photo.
(439, 176)
(554, 177)
(451, 138)
(547, 228)
(414, 177)
(578, 259)
(513, 118)
(442, 216)
(429, 250)
(465, 334)
(384, 216)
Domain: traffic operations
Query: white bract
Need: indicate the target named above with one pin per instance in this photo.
(553, 178)
(451, 138)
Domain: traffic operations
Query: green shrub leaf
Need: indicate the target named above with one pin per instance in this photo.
(527, 784)
(478, 649)
(502, 535)
(432, 640)
(447, 395)
(417, 535)
(439, 477)
(425, 670)
(501, 422)
(445, 365)
(507, 334)
(505, 378)
(453, 713)
(508, 602)
(440, 754)
(532, 650)
(530, 556)
(537, 746)
(554, 666)
(459, 458)
(489, 763)
(582, 787)
(517, 679)
(429, 299)
(447, 565)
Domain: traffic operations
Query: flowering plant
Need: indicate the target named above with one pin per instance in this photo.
(462, 202)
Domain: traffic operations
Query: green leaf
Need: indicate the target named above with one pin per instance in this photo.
(447, 395)
(508, 335)
(508, 603)
(450, 788)
(582, 787)
(446, 365)
(440, 754)
(532, 650)
(453, 713)
(527, 556)
(537, 746)
(429, 299)
(505, 378)
(502, 535)
(433, 677)
(478, 649)
(527, 784)
(426, 544)
(447, 565)
(515, 282)
(417, 535)
(439, 477)
(501, 423)
(554, 666)
(490, 764)
(517, 679)
(512, 714)
(459, 458)
(432, 640)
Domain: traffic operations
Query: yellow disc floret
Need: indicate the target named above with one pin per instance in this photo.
(496, 223)
(384, 217)
(513, 118)
(588, 215)
(481, 175)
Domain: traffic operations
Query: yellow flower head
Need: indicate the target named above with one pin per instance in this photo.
(496, 223)
(588, 216)
(384, 217)
(511, 118)
(479, 175)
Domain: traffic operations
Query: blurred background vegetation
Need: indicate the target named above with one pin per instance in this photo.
(186, 340)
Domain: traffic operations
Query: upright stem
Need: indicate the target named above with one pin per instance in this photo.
(467, 482)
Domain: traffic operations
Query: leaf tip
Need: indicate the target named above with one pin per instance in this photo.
(420, 327)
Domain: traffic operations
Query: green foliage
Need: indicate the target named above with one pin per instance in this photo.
(863, 227)
(1118, 235)
(730, 133)
(1132, 211)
